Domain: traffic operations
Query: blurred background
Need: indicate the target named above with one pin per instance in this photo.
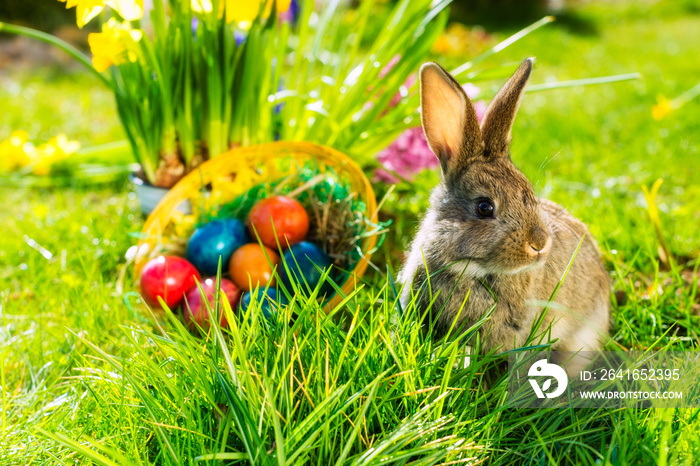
(590, 148)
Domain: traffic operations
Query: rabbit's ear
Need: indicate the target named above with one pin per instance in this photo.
(500, 115)
(449, 119)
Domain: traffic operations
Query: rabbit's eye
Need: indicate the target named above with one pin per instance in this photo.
(484, 208)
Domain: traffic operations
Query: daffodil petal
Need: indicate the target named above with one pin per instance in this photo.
(201, 6)
(114, 45)
(130, 10)
(85, 10)
(136, 34)
(283, 5)
(85, 14)
(241, 10)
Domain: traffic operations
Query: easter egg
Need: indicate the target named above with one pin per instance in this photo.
(167, 277)
(219, 238)
(270, 300)
(280, 219)
(195, 312)
(303, 260)
(251, 266)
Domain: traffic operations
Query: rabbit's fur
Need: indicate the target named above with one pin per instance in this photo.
(515, 258)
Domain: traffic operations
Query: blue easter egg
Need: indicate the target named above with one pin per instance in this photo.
(270, 300)
(303, 261)
(219, 238)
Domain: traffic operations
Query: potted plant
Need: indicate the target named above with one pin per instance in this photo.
(192, 79)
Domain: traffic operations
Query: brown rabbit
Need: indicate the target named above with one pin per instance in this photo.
(486, 239)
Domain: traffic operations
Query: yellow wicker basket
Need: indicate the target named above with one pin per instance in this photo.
(259, 160)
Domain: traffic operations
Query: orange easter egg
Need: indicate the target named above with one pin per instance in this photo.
(251, 266)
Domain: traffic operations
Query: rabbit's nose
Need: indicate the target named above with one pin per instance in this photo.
(540, 243)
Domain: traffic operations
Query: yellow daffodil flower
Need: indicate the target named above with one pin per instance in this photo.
(459, 40)
(85, 10)
(130, 10)
(240, 10)
(201, 6)
(13, 153)
(662, 108)
(56, 150)
(62, 143)
(114, 45)
(17, 152)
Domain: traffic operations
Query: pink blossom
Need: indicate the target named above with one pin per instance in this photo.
(403, 90)
(480, 107)
(389, 66)
(408, 155)
(471, 90)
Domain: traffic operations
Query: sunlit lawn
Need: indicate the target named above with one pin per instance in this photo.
(589, 149)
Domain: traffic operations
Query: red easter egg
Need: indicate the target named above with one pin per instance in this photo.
(251, 266)
(193, 309)
(168, 277)
(290, 220)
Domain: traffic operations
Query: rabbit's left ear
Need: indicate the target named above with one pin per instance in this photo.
(449, 119)
(500, 115)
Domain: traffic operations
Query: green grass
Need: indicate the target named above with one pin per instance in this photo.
(87, 375)
(46, 101)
